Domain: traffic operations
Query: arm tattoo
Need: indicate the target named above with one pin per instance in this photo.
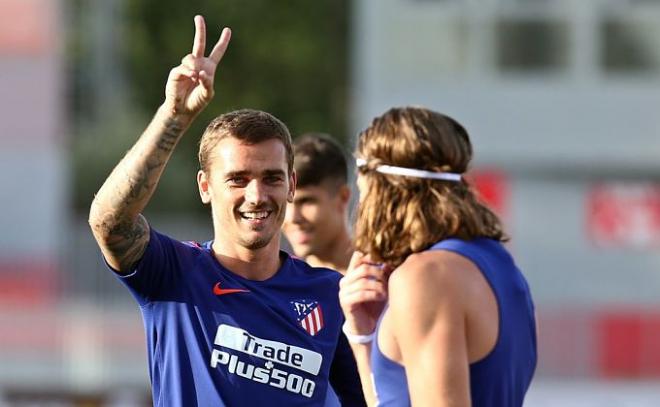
(173, 130)
(126, 242)
(115, 217)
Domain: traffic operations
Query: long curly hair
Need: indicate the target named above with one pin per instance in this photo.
(399, 215)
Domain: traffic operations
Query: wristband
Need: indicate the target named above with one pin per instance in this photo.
(354, 338)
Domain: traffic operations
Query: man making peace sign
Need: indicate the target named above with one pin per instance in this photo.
(234, 321)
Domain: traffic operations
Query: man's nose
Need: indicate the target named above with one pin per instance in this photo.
(255, 192)
(293, 214)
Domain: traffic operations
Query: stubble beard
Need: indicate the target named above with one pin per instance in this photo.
(256, 243)
(263, 237)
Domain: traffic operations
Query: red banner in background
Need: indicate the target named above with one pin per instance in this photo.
(599, 342)
(625, 215)
(28, 282)
(493, 187)
(627, 344)
(26, 27)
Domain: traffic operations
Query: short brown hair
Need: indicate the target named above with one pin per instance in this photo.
(247, 125)
(319, 158)
(402, 215)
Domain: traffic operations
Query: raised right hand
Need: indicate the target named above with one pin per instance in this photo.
(363, 294)
(190, 85)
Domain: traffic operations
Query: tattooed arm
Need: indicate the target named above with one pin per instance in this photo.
(115, 215)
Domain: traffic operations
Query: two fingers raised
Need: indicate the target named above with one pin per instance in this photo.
(199, 43)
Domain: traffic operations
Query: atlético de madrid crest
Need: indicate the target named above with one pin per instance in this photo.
(308, 315)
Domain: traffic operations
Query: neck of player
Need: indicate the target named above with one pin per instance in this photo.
(252, 264)
(336, 256)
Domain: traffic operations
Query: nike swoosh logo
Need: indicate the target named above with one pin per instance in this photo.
(222, 291)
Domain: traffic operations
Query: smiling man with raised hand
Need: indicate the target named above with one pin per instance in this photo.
(234, 321)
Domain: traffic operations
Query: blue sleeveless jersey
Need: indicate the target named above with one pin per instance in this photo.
(217, 339)
(502, 378)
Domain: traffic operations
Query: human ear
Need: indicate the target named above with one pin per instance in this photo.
(344, 195)
(293, 180)
(203, 184)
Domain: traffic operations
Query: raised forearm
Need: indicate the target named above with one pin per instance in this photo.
(120, 230)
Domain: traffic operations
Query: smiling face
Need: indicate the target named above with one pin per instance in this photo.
(248, 187)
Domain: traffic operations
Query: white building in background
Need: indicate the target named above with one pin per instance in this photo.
(53, 347)
(562, 101)
(32, 143)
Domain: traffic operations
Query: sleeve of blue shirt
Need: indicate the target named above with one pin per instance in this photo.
(344, 376)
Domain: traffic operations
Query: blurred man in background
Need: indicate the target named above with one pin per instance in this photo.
(316, 223)
(316, 226)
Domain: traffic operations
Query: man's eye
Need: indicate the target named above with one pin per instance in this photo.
(273, 179)
(237, 181)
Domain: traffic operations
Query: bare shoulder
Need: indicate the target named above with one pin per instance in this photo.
(434, 286)
(432, 271)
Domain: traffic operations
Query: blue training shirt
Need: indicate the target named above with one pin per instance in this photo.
(502, 378)
(217, 339)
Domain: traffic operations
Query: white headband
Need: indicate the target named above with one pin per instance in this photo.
(411, 172)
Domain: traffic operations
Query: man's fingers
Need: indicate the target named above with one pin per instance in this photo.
(181, 72)
(359, 258)
(365, 284)
(356, 259)
(364, 289)
(221, 46)
(192, 62)
(199, 44)
(363, 271)
(206, 79)
(355, 298)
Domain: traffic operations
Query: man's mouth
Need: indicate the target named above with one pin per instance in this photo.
(301, 236)
(255, 215)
